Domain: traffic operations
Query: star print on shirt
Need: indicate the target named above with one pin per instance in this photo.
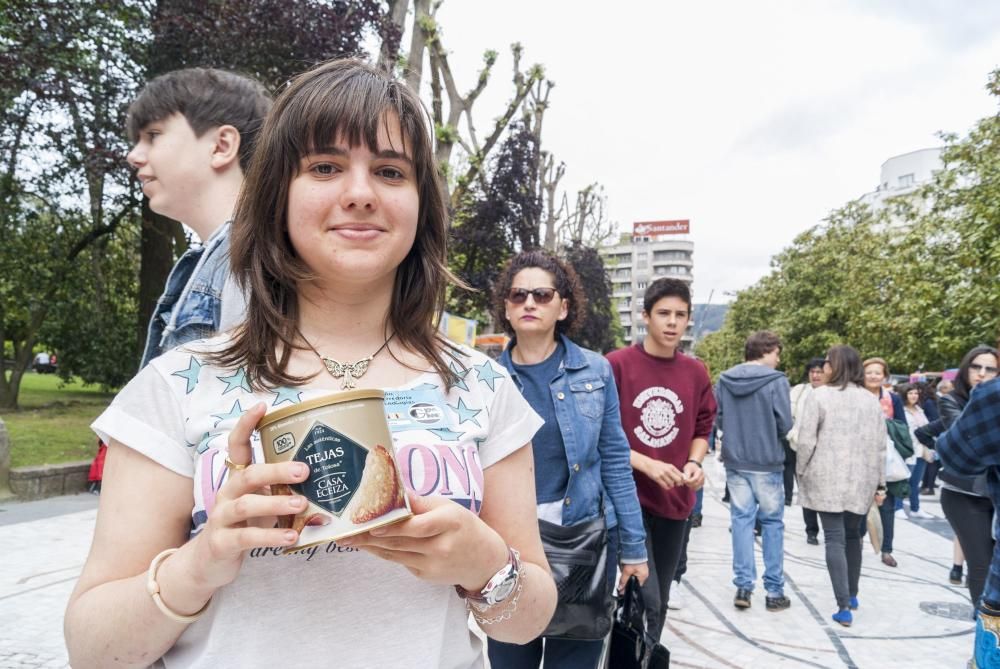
(289, 395)
(447, 434)
(426, 386)
(235, 412)
(236, 381)
(206, 441)
(465, 414)
(190, 374)
(461, 373)
(488, 374)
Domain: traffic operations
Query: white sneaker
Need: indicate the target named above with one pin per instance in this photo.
(900, 513)
(920, 514)
(676, 601)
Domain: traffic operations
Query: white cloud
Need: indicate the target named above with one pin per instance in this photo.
(754, 120)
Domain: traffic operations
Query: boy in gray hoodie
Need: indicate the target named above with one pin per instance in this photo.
(753, 412)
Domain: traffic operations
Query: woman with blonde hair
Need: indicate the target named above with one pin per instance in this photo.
(876, 373)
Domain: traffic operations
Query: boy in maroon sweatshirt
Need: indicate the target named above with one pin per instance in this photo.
(667, 408)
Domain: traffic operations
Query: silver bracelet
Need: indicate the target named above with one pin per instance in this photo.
(508, 607)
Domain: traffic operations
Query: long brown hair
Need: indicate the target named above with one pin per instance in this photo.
(346, 100)
(845, 367)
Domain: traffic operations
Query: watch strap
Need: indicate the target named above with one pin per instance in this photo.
(510, 570)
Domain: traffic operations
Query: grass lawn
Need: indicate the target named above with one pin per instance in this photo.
(52, 425)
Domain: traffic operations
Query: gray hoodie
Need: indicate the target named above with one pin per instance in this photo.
(754, 413)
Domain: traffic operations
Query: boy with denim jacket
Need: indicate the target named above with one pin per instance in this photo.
(193, 132)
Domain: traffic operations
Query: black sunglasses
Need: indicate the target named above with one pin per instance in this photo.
(541, 295)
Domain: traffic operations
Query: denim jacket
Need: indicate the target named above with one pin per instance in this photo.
(597, 452)
(191, 305)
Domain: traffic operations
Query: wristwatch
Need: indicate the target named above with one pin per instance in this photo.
(499, 587)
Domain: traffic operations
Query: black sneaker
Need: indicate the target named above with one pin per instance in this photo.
(955, 575)
(777, 603)
(812, 540)
(696, 520)
(742, 599)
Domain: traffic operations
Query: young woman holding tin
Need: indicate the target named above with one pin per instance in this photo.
(582, 468)
(340, 243)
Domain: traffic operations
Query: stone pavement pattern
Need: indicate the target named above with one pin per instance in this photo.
(909, 617)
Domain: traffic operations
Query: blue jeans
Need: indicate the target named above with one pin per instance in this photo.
(757, 495)
(916, 475)
(699, 500)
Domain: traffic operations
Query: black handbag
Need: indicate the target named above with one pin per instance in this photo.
(631, 647)
(578, 558)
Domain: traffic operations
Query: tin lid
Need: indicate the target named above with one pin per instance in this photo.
(325, 400)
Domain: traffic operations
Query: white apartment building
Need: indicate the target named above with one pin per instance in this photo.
(637, 260)
(902, 175)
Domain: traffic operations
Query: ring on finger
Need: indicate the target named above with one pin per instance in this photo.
(232, 466)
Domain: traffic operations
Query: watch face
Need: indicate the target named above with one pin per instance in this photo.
(503, 590)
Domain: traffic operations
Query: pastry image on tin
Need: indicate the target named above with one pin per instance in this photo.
(354, 483)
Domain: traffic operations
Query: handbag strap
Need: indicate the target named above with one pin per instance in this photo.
(631, 608)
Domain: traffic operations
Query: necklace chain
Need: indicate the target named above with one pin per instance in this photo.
(350, 372)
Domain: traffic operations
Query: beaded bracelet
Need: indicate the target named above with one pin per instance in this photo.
(153, 588)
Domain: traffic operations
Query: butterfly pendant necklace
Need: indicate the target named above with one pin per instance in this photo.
(350, 372)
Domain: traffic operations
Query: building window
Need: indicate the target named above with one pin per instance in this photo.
(906, 180)
(641, 285)
(642, 260)
(641, 329)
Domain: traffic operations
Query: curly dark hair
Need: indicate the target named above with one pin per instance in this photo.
(567, 283)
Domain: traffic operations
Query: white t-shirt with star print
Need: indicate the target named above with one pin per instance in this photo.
(328, 604)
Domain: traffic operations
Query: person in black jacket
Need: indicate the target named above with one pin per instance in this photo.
(929, 484)
(965, 499)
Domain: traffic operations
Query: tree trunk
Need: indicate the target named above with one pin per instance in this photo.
(418, 42)
(157, 259)
(397, 16)
(10, 389)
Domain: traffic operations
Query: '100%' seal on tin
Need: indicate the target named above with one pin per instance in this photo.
(354, 483)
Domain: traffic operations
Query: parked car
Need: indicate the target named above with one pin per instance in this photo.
(45, 363)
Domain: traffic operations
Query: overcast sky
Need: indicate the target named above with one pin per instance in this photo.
(751, 119)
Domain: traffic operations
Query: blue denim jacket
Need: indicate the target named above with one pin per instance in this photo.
(191, 305)
(597, 452)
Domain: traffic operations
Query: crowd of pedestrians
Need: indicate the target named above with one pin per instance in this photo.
(324, 233)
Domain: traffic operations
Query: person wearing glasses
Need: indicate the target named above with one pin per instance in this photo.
(965, 499)
(581, 455)
(971, 447)
(840, 424)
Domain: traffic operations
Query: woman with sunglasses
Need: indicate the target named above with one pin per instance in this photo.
(965, 499)
(581, 455)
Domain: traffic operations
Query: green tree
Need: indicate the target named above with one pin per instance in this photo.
(69, 68)
(601, 330)
(915, 282)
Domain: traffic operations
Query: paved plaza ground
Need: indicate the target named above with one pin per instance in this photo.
(909, 617)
